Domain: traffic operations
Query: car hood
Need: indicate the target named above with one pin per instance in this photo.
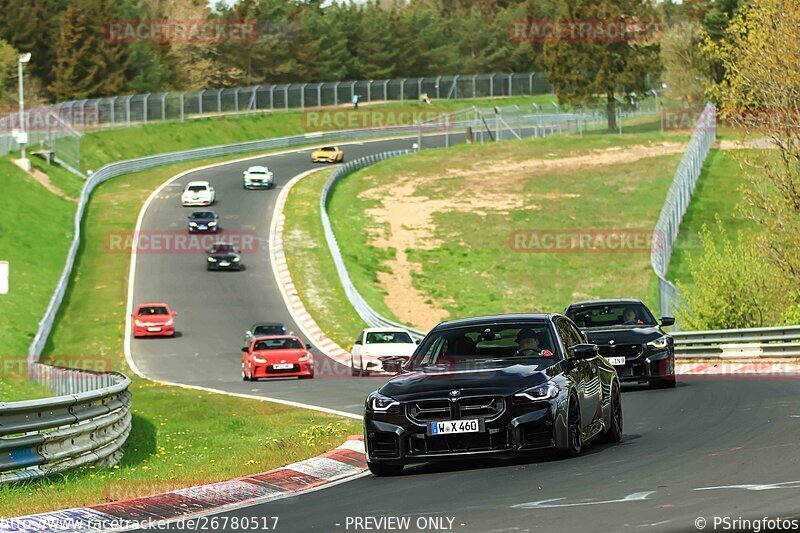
(389, 349)
(202, 220)
(154, 319)
(224, 257)
(623, 334)
(501, 381)
(289, 355)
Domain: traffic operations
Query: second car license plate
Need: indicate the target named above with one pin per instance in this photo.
(153, 329)
(450, 427)
(283, 366)
(617, 361)
(224, 263)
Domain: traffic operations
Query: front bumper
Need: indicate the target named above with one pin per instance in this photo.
(648, 367)
(257, 184)
(164, 331)
(265, 370)
(218, 266)
(396, 439)
(207, 229)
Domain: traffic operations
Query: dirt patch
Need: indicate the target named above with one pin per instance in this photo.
(44, 179)
(762, 143)
(494, 188)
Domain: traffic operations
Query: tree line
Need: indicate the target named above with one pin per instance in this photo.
(310, 41)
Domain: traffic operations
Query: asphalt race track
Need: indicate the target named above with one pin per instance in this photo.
(740, 433)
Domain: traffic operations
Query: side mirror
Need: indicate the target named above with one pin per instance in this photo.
(357, 343)
(174, 313)
(308, 346)
(248, 333)
(417, 341)
(583, 352)
(394, 364)
(245, 349)
(667, 321)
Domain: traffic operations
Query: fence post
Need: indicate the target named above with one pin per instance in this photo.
(319, 95)
(369, 91)
(530, 84)
(402, 88)
(336, 93)
(164, 106)
(236, 99)
(219, 101)
(144, 107)
(474, 85)
(286, 98)
(271, 97)
(491, 85)
(303, 97)
(510, 76)
(183, 111)
(385, 91)
(200, 102)
(113, 103)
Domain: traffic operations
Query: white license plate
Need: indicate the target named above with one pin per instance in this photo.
(450, 427)
(617, 361)
(224, 263)
(283, 366)
(154, 329)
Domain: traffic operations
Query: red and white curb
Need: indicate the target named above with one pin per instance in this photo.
(776, 368)
(288, 290)
(342, 463)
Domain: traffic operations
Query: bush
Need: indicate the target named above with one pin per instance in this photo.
(733, 286)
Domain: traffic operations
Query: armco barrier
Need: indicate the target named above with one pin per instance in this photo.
(86, 425)
(773, 342)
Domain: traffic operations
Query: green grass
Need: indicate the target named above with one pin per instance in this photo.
(14, 386)
(35, 234)
(105, 146)
(718, 193)
(180, 437)
(472, 268)
(62, 178)
(310, 263)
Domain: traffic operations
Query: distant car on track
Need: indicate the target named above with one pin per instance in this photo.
(223, 256)
(494, 386)
(277, 356)
(257, 177)
(203, 222)
(260, 329)
(154, 319)
(327, 154)
(630, 337)
(375, 345)
(198, 193)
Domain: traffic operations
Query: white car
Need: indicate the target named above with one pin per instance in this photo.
(257, 177)
(198, 193)
(374, 345)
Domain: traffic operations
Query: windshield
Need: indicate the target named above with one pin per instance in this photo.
(329, 149)
(487, 346)
(278, 344)
(606, 315)
(153, 310)
(388, 337)
(273, 329)
(257, 171)
(197, 215)
(223, 249)
(197, 188)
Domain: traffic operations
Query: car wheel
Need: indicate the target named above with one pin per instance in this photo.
(383, 469)
(574, 430)
(614, 431)
(665, 383)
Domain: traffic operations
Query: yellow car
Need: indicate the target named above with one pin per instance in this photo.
(327, 154)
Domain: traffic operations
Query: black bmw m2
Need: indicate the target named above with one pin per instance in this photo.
(493, 386)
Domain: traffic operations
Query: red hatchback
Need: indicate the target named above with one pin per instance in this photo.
(277, 356)
(153, 320)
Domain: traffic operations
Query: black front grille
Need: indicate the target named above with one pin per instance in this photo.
(272, 370)
(480, 407)
(537, 435)
(628, 351)
(430, 410)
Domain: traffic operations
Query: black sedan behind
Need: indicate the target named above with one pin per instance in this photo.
(629, 336)
(223, 256)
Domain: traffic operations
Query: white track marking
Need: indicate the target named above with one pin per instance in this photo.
(546, 504)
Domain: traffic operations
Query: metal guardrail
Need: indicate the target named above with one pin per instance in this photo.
(680, 194)
(781, 341)
(86, 425)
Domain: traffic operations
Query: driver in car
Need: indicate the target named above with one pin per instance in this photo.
(629, 316)
(529, 342)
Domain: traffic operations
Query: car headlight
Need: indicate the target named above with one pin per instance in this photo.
(212, 260)
(138, 322)
(259, 360)
(169, 322)
(236, 259)
(379, 403)
(193, 224)
(545, 391)
(305, 357)
(212, 223)
(659, 343)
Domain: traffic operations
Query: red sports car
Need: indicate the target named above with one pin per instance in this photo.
(277, 356)
(153, 320)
